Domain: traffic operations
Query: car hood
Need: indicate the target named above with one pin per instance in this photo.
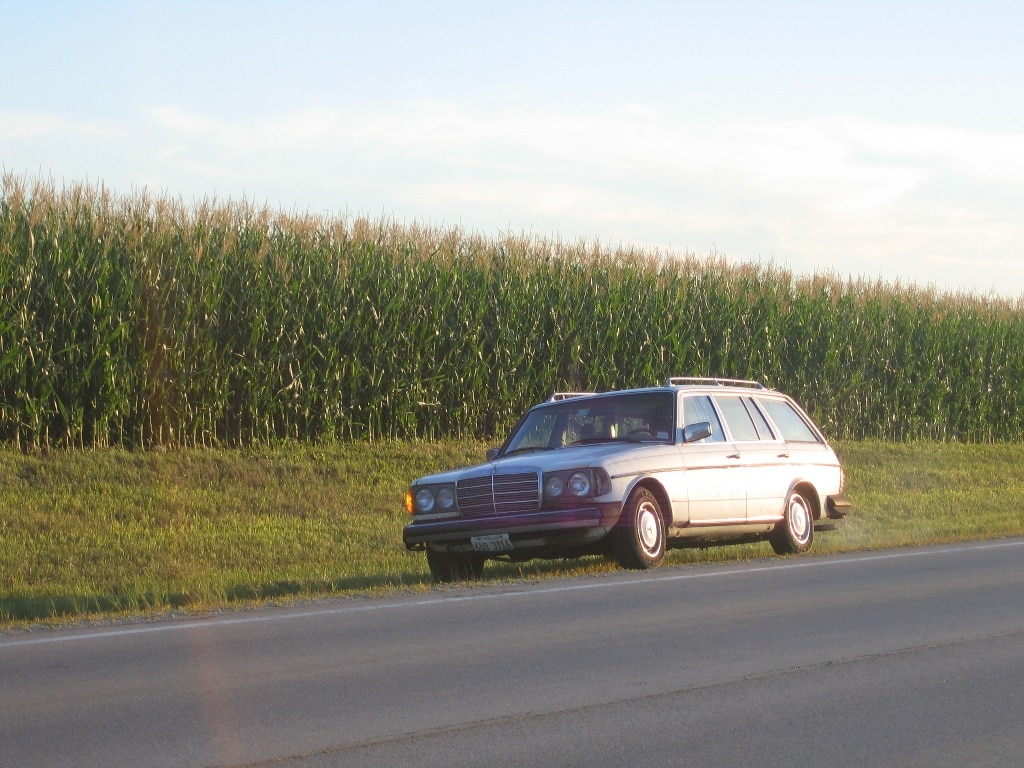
(606, 455)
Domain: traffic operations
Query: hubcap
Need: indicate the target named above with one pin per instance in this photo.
(799, 519)
(647, 528)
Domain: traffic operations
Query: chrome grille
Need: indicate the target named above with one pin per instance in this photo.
(499, 494)
(475, 495)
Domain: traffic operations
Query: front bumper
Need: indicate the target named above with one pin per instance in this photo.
(527, 531)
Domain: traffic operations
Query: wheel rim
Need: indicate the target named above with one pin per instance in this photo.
(799, 519)
(647, 528)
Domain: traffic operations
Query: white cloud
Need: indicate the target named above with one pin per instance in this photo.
(990, 156)
(308, 128)
(22, 124)
(843, 153)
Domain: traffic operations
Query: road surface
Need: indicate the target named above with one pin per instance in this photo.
(899, 658)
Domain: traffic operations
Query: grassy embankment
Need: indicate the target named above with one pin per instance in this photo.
(91, 533)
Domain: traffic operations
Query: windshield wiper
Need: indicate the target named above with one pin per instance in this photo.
(529, 449)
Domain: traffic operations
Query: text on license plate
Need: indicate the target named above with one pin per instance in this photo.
(499, 542)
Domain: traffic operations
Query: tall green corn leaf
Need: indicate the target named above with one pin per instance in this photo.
(142, 321)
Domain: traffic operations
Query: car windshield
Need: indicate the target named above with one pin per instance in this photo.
(636, 417)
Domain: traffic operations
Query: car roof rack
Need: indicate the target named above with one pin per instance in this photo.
(567, 396)
(679, 381)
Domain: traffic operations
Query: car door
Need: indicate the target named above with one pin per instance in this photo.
(713, 484)
(763, 457)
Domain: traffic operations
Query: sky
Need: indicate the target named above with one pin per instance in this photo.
(865, 140)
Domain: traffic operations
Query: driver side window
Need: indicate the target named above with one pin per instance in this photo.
(699, 408)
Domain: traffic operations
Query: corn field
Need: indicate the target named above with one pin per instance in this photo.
(139, 321)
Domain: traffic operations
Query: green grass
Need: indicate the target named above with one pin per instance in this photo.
(85, 534)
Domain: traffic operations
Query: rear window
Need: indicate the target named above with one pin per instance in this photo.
(792, 425)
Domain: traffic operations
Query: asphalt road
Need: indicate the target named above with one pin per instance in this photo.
(900, 658)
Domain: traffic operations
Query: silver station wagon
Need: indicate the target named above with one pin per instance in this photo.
(630, 473)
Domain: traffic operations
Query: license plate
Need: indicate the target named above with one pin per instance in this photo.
(499, 542)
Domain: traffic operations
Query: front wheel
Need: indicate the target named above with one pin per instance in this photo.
(454, 566)
(795, 533)
(638, 542)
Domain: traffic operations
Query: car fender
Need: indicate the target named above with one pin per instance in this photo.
(809, 491)
(656, 485)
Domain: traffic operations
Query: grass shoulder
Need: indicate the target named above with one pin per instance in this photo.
(90, 534)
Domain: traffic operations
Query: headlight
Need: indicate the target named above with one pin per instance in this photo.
(579, 484)
(554, 485)
(424, 500)
(571, 484)
(446, 498)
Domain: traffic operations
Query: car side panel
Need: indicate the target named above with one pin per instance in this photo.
(714, 483)
(818, 465)
(660, 464)
(769, 473)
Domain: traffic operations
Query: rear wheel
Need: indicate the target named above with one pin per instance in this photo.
(454, 566)
(795, 533)
(638, 542)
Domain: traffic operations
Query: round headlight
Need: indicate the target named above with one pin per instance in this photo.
(446, 498)
(579, 484)
(554, 486)
(424, 500)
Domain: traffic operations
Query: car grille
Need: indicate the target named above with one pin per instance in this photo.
(499, 494)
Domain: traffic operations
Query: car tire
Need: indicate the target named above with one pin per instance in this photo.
(638, 541)
(795, 533)
(454, 566)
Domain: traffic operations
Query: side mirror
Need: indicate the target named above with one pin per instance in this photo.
(492, 453)
(693, 433)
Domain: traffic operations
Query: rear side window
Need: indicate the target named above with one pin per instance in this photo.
(745, 420)
(792, 425)
(737, 416)
(764, 432)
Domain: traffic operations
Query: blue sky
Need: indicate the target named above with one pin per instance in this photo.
(882, 140)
